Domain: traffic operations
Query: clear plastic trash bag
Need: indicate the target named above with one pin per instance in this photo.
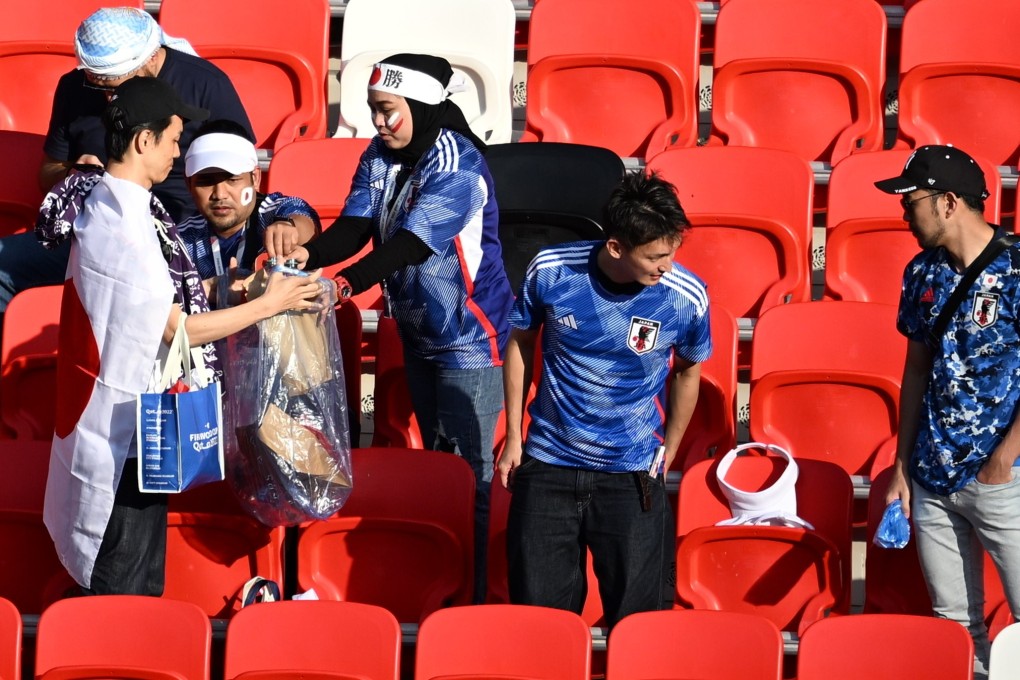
(894, 529)
(289, 457)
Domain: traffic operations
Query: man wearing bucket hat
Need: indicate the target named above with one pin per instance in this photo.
(234, 219)
(112, 45)
(958, 442)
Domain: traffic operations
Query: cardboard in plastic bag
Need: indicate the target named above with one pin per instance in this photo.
(289, 461)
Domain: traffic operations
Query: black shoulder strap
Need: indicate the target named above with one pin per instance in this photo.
(999, 243)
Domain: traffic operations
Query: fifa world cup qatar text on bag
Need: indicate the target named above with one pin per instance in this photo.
(180, 433)
(290, 460)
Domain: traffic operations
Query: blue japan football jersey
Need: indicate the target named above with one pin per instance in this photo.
(452, 307)
(974, 385)
(601, 402)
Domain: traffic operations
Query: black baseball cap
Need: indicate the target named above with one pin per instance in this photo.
(144, 99)
(945, 168)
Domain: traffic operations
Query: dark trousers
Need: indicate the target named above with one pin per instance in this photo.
(132, 556)
(556, 513)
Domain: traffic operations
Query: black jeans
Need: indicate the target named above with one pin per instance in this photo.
(558, 512)
(132, 556)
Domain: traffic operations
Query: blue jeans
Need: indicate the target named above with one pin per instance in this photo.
(951, 531)
(556, 513)
(457, 411)
(26, 264)
(132, 556)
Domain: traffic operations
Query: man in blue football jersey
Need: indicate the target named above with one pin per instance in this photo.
(958, 439)
(615, 317)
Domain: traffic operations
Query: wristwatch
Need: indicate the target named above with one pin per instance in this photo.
(343, 288)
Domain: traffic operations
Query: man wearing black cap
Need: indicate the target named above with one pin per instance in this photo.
(129, 283)
(961, 387)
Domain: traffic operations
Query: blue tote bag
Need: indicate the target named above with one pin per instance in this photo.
(180, 428)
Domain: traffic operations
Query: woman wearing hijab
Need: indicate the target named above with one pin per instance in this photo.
(424, 193)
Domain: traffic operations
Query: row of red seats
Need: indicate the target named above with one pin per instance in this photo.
(276, 56)
(404, 542)
(625, 75)
(752, 210)
(126, 636)
(798, 75)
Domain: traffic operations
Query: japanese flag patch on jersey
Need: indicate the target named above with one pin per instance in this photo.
(986, 309)
(643, 335)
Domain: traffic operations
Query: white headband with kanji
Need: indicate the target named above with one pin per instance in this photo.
(412, 84)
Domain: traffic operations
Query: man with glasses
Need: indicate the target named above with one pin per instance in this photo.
(958, 443)
(113, 45)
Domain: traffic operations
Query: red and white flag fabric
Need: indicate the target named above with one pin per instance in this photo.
(117, 299)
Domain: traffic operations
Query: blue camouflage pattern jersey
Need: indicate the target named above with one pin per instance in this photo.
(452, 307)
(195, 232)
(601, 403)
(974, 384)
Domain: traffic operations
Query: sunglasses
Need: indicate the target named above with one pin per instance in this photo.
(908, 203)
(89, 85)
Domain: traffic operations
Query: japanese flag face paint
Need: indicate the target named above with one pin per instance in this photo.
(247, 194)
(394, 122)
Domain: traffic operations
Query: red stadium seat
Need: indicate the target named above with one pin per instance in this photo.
(394, 420)
(214, 548)
(619, 75)
(885, 647)
(312, 639)
(791, 576)
(28, 363)
(282, 81)
(36, 66)
(54, 20)
(548, 644)
(20, 195)
(123, 636)
(695, 644)
(402, 541)
(31, 575)
(751, 211)
(800, 75)
(825, 382)
(868, 244)
(36, 49)
(713, 428)
(979, 71)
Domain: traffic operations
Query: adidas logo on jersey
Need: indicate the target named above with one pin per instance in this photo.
(567, 321)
